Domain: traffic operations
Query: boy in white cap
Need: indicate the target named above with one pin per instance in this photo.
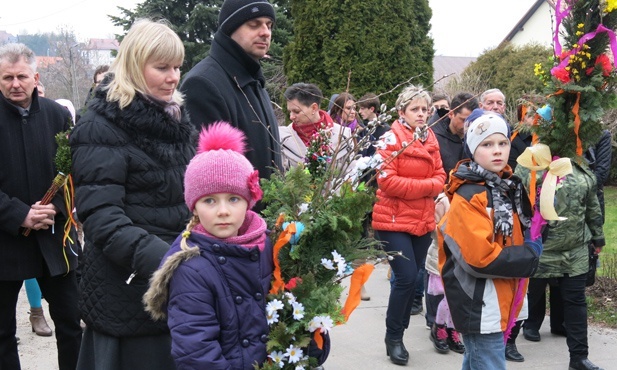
(483, 255)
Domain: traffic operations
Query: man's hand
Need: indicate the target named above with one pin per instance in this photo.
(40, 217)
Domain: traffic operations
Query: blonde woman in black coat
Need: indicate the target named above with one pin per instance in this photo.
(130, 150)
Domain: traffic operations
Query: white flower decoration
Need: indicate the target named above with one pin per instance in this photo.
(278, 357)
(273, 306)
(303, 208)
(341, 267)
(272, 317)
(298, 310)
(327, 263)
(294, 354)
(290, 297)
(337, 257)
(324, 323)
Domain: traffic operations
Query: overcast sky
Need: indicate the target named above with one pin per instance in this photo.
(459, 28)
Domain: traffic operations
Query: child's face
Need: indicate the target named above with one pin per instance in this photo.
(415, 113)
(492, 153)
(221, 214)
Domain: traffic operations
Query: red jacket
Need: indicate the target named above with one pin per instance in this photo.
(408, 183)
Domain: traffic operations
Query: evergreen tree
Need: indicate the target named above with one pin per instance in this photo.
(382, 44)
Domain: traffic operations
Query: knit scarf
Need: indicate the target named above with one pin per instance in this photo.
(252, 232)
(501, 190)
(306, 131)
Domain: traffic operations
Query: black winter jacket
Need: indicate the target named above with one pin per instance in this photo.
(27, 151)
(229, 85)
(450, 146)
(128, 168)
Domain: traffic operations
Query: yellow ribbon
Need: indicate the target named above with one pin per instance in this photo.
(541, 154)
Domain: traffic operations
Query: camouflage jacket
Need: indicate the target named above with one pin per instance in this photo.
(566, 242)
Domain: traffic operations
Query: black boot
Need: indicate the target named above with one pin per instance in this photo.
(439, 337)
(583, 364)
(512, 353)
(397, 351)
(454, 341)
(416, 307)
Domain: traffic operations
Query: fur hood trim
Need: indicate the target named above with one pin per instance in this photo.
(155, 299)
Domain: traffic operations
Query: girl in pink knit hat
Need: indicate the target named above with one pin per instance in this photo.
(213, 283)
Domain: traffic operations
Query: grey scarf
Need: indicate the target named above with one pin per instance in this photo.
(501, 191)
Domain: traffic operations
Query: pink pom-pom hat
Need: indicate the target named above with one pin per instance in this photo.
(221, 167)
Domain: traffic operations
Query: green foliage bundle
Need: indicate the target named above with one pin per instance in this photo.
(581, 81)
(380, 43)
(327, 205)
(63, 154)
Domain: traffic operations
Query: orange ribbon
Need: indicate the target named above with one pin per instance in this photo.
(278, 285)
(358, 278)
(69, 202)
(577, 119)
(318, 338)
(577, 124)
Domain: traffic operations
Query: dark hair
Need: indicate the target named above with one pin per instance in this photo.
(306, 94)
(440, 96)
(339, 104)
(369, 100)
(100, 69)
(463, 100)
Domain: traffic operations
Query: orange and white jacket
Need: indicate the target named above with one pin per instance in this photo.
(408, 182)
(480, 269)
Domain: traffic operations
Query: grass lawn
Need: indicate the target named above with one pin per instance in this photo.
(610, 224)
(602, 296)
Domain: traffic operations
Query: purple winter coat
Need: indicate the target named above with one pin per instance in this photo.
(217, 305)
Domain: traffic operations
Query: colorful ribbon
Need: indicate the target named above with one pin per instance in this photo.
(358, 278)
(586, 37)
(278, 285)
(541, 154)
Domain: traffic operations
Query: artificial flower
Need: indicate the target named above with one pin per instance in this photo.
(294, 353)
(327, 263)
(561, 74)
(298, 310)
(274, 305)
(272, 317)
(278, 357)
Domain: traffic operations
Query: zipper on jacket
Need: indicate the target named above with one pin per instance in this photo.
(128, 281)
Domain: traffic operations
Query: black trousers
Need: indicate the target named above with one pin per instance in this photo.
(571, 309)
(405, 270)
(61, 293)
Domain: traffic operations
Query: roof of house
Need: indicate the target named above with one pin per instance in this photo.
(44, 62)
(446, 66)
(102, 44)
(521, 23)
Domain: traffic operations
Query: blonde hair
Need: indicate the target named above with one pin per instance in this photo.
(187, 232)
(411, 93)
(146, 40)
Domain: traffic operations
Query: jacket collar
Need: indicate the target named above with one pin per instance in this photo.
(235, 61)
(34, 104)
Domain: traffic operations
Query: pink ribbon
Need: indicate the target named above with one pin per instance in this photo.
(588, 36)
(559, 16)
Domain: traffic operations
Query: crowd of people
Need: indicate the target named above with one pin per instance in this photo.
(174, 262)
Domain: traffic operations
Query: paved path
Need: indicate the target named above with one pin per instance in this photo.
(359, 344)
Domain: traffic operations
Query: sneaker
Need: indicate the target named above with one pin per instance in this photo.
(454, 341)
(439, 337)
(416, 308)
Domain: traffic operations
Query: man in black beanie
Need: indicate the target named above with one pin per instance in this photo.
(229, 85)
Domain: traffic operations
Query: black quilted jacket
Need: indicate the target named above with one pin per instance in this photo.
(128, 168)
